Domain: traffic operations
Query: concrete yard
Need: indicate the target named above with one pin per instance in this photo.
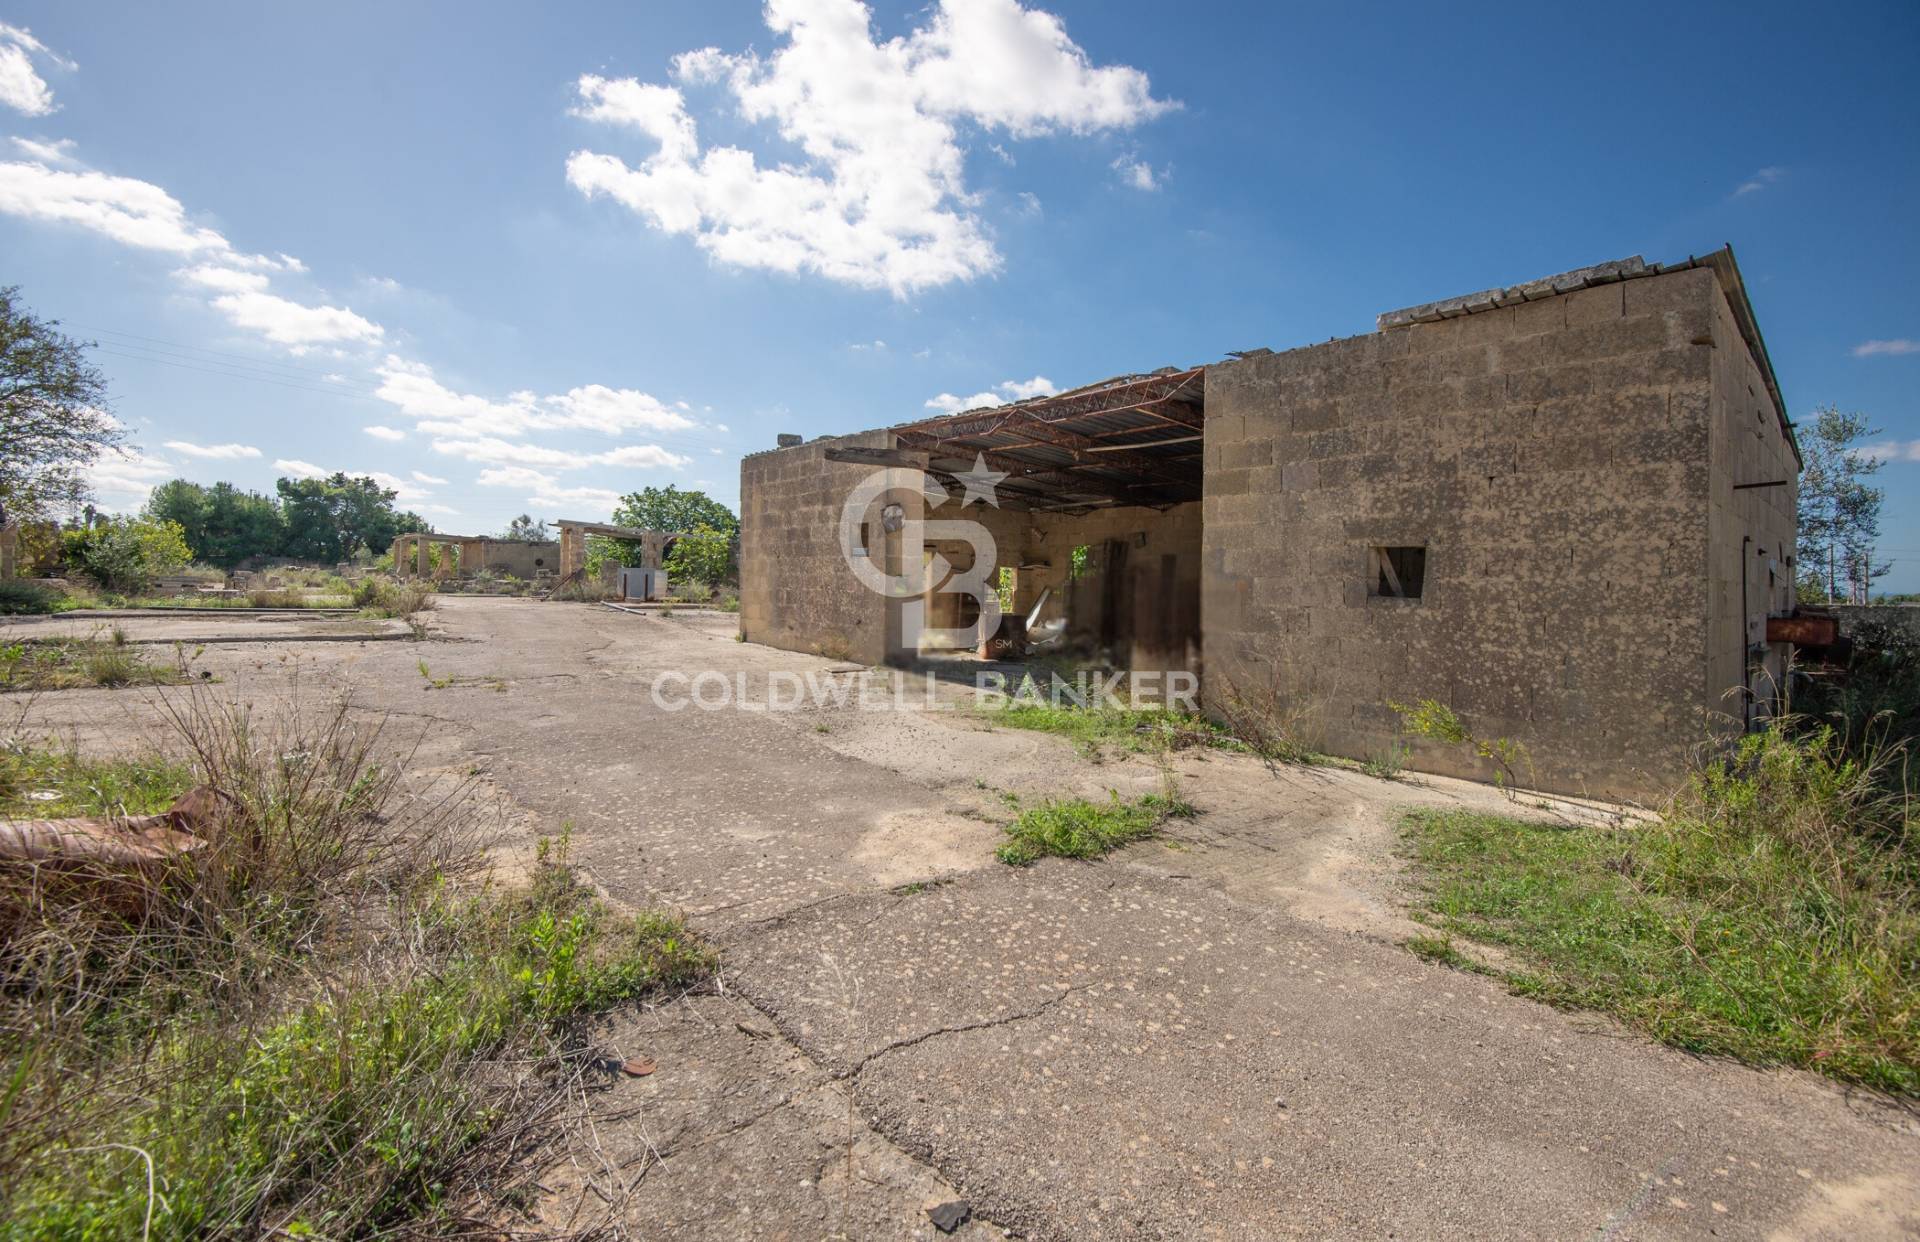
(1217, 1035)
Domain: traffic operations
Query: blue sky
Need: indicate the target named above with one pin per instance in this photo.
(554, 255)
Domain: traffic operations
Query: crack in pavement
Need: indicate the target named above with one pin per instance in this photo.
(986, 1024)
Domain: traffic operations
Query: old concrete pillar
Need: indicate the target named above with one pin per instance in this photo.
(423, 558)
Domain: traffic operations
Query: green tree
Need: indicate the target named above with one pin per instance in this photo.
(128, 553)
(53, 417)
(660, 508)
(1839, 509)
(524, 529)
(331, 519)
(703, 555)
(670, 509)
(224, 525)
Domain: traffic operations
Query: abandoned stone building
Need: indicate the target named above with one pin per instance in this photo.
(564, 559)
(1565, 509)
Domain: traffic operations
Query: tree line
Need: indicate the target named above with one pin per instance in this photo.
(321, 520)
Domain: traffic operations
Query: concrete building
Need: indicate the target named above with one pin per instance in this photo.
(463, 555)
(1565, 509)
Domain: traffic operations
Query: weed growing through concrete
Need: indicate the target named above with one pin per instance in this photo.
(382, 598)
(76, 663)
(1078, 828)
(1771, 914)
(1094, 730)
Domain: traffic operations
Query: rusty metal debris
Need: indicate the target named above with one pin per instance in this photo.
(126, 843)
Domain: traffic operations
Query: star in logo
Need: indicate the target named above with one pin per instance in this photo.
(980, 482)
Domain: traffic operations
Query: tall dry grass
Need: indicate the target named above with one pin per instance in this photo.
(321, 1024)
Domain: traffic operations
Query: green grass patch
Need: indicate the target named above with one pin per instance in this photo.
(1078, 828)
(37, 783)
(76, 663)
(1770, 916)
(1095, 730)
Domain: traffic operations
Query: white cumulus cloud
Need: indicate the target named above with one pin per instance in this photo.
(54, 187)
(1892, 450)
(598, 500)
(1003, 392)
(1138, 173)
(384, 433)
(1868, 349)
(412, 389)
(125, 476)
(216, 452)
(515, 476)
(878, 198)
(21, 86)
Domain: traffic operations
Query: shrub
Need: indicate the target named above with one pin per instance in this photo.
(1875, 696)
(127, 554)
(385, 597)
(702, 555)
(24, 598)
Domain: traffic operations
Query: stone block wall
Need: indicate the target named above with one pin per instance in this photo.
(796, 591)
(1750, 531)
(1553, 460)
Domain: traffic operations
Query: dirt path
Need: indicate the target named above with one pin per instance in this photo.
(1216, 1040)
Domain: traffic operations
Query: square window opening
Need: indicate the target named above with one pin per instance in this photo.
(1398, 572)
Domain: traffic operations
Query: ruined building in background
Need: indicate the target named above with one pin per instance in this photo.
(1565, 509)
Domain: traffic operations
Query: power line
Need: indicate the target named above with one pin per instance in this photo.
(292, 370)
(258, 379)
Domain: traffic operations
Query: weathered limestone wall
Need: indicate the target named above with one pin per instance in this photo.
(464, 555)
(1750, 529)
(1552, 458)
(796, 591)
(522, 560)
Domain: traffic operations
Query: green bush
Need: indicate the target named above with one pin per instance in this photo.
(127, 554)
(702, 555)
(24, 598)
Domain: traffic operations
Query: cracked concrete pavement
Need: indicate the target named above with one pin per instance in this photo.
(1216, 1036)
